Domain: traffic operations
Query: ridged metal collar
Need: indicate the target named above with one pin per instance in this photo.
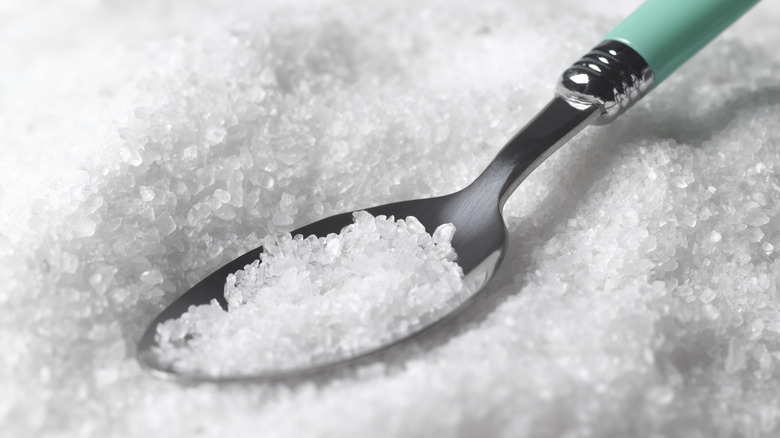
(612, 76)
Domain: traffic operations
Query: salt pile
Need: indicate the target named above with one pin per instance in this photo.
(316, 300)
(145, 143)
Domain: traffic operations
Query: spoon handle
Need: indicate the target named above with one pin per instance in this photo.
(643, 50)
(631, 59)
(666, 33)
(556, 124)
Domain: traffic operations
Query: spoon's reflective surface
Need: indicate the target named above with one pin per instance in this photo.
(479, 240)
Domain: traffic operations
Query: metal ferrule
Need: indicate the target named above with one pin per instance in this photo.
(612, 76)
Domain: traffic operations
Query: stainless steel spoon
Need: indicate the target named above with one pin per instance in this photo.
(595, 89)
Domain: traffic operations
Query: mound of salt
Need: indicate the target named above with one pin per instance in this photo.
(311, 300)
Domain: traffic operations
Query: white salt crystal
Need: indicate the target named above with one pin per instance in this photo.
(750, 205)
(215, 135)
(755, 234)
(443, 233)
(707, 295)
(212, 251)
(705, 213)
(680, 182)
(147, 193)
(755, 328)
(222, 196)
(102, 278)
(333, 247)
(287, 202)
(735, 358)
(130, 155)
(226, 213)
(119, 295)
(290, 155)
(742, 256)
(93, 204)
(684, 290)
(651, 174)
(757, 219)
(167, 224)
(70, 262)
(688, 219)
(318, 299)
(414, 225)
(267, 181)
(280, 218)
(267, 76)
(190, 153)
(649, 244)
(83, 226)
(763, 357)
(152, 277)
(213, 203)
(715, 236)
(711, 312)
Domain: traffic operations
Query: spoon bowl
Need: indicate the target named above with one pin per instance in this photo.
(480, 238)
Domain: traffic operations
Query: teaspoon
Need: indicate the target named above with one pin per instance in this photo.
(633, 58)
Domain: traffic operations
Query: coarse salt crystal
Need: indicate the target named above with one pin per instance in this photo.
(707, 295)
(735, 358)
(715, 236)
(147, 193)
(152, 277)
(757, 219)
(711, 312)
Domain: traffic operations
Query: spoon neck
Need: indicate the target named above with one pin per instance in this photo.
(558, 122)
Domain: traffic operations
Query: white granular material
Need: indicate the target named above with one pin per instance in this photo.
(146, 142)
(314, 300)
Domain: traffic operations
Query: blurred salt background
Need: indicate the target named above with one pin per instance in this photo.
(146, 143)
(310, 300)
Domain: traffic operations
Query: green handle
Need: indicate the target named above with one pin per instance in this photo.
(666, 33)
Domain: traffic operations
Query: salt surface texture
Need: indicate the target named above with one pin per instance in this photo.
(315, 300)
(145, 142)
